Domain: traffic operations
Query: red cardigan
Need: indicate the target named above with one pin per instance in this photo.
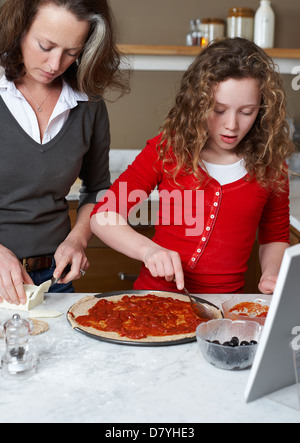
(214, 260)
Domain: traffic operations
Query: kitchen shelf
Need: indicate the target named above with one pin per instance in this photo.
(179, 58)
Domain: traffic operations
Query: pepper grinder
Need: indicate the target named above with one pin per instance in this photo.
(19, 361)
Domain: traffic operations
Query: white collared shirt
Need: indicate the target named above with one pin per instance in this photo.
(25, 116)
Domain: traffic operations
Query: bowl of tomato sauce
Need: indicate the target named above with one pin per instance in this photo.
(247, 309)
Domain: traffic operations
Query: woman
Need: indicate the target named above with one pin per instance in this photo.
(226, 137)
(58, 58)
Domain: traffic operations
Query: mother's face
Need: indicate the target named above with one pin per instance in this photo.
(53, 42)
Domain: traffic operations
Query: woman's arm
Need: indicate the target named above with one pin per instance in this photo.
(95, 177)
(271, 256)
(113, 229)
(72, 250)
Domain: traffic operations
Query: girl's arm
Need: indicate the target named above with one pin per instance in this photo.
(113, 230)
(271, 255)
(109, 217)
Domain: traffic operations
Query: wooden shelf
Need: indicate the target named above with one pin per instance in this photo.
(194, 51)
(284, 53)
(179, 58)
(159, 50)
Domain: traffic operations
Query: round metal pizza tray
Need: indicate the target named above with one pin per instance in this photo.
(139, 343)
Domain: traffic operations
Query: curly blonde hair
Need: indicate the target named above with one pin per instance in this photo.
(265, 148)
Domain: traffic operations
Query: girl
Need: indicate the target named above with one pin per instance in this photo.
(57, 58)
(227, 136)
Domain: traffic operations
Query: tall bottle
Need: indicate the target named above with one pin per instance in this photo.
(264, 27)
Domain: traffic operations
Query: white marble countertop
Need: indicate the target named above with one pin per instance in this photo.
(80, 379)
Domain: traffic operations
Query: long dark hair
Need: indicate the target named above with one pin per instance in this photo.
(98, 66)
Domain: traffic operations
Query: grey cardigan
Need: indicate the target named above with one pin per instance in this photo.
(35, 179)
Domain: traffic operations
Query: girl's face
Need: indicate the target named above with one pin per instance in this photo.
(53, 42)
(237, 103)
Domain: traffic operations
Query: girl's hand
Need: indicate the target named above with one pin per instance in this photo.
(70, 252)
(164, 263)
(12, 278)
(267, 284)
(271, 255)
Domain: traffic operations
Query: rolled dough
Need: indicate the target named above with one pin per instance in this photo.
(35, 296)
(45, 314)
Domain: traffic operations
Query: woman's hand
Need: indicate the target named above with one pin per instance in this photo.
(164, 263)
(12, 278)
(70, 252)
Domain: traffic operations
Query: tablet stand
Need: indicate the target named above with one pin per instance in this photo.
(290, 395)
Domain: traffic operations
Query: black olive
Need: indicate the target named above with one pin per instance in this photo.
(234, 342)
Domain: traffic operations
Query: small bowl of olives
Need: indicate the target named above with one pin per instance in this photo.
(229, 345)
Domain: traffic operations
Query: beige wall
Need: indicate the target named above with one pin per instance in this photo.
(137, 117)
(165, 22)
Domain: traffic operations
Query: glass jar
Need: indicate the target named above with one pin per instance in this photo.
(212, 29)
(240, 23)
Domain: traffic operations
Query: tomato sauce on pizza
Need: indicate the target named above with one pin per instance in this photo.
(138, 317)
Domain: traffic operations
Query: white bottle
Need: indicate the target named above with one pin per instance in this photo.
(264, 27)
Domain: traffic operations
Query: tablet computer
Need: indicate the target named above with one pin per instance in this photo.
(273, 368)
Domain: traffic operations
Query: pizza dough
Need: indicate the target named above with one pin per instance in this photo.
(35, 296)
(83, 306)
(39, 327)
(44, 314)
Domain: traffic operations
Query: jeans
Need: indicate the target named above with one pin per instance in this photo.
(39, 277)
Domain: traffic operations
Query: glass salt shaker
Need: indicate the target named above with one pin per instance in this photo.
(192, 36)
(19, 361)
(198, 32)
